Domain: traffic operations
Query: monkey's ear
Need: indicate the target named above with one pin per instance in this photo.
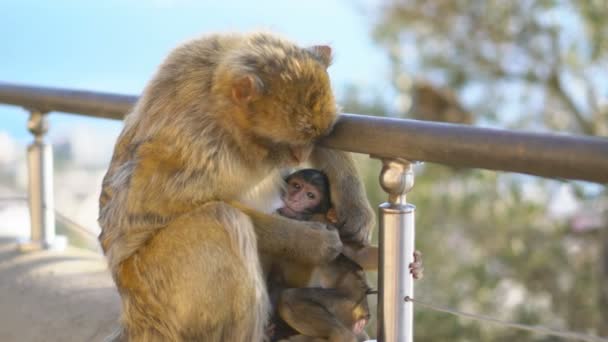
(245, 89)
(323, 53)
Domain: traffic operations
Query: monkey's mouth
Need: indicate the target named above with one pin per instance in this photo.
(287, 211)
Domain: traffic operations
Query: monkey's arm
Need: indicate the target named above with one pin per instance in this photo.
(367, 258)
(311, 243)
(355, 215)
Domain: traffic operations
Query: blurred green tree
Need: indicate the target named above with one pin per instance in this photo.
(490, 243)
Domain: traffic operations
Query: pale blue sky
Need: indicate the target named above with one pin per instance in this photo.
(115, 45)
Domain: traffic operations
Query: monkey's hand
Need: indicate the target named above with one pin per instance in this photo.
(328, 239)
(356, 220)
(416, 268)
(355, 216)
(307, 242)
(314, 243)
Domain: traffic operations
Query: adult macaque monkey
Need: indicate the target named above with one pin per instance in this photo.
(221, 118)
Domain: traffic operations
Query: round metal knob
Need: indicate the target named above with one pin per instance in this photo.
(397, 176)
(37, 123)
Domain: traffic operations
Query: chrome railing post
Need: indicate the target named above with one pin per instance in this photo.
(40, 187)
(396, 242)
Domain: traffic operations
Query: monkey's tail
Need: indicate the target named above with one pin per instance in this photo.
(244, 243)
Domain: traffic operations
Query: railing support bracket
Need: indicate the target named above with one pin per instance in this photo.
(396, 242)
(40, 189)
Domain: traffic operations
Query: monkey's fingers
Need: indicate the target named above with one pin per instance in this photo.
(418, 256)
(355, 224)
(330, 245)
(416, 270)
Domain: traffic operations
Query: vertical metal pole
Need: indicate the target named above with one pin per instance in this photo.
(395, 316)
(40, 179)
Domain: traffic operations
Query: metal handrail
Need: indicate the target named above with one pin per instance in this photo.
(542, 154)
(87, 103)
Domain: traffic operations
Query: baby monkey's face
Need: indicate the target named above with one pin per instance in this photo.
(300, 199)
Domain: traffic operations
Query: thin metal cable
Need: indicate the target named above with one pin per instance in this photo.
(70, 224)
(75, 226)
(533, 328)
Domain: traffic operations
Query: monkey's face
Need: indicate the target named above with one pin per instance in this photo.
(301, 198)
(282, 93)
(296, 111)
(289, 114)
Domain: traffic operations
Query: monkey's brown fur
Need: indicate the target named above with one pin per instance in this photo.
(326, 302)
(335, 309)
(216, 124)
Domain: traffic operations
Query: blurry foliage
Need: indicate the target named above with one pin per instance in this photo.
(546, 59)
(489, 245)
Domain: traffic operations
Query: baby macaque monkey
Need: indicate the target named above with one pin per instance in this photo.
(307, 197)
(327, 302)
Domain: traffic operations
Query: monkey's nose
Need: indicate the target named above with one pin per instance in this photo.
(301, 153)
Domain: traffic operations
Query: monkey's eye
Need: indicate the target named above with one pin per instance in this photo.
(310, 195)
(297, 185)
